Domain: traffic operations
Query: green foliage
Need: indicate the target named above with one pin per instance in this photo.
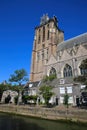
(34, 98)
(52, 77)
(26, 98)
(10, 87)
(49, 78)
(45, 79)
(19, 76)
(17, 88)
(66, 100)
(4, 87)
(80, 79)
(46, 92)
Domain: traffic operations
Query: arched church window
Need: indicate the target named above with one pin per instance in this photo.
(48, 32)
(67, 72)
(39, 36)
(42, 54)
(47, 51)
(52, 71)
(43, 34)
(83, 67)
(48, 35)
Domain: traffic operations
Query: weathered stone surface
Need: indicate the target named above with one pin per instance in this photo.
(13, 94)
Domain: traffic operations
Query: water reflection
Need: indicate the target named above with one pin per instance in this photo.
(8, 122)
(12, 122)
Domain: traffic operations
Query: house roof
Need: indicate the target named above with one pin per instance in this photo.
(32, 84)
(72, 42)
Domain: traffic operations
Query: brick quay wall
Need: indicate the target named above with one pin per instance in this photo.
(55, 113)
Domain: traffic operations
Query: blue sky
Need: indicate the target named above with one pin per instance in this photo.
(18, 18)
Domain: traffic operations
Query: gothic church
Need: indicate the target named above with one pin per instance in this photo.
(51, 54)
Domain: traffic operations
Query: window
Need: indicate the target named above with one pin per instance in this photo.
(47, 51)
(52, 71)
(83, 71)
(62, 81)
(30, 85)
(39, 39)
(83, 67)
(43, 34)
(48, 32)
(47, 54)
(69, 89)
(67, 72)
(83, 86)
(42, 54)
(48, 35)
(39, 36)
(62, 90)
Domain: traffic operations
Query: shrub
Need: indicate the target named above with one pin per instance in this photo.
(66, 100)
(49, 78)
(26, 98)
(46, 92)
(52, 77)
(45, 79)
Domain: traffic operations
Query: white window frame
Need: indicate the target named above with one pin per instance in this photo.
(69, 89)
(62, 90)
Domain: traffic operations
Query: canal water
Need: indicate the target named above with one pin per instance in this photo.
(13, 122)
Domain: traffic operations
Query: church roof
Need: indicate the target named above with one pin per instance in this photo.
(72, 42)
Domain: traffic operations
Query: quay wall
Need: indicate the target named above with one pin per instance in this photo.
(46, 113)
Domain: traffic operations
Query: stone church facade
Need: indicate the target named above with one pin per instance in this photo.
(51, 54)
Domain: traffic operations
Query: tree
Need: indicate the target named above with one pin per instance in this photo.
(83, 77)
(46, 92)
(66, 101)
(19, 76)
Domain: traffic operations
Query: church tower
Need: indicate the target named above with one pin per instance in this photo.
(47, 36)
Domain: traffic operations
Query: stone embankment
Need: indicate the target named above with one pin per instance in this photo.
(56, 113)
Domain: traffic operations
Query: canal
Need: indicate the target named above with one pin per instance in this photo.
(13, 122)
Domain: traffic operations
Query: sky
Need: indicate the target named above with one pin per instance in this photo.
(18, 19)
